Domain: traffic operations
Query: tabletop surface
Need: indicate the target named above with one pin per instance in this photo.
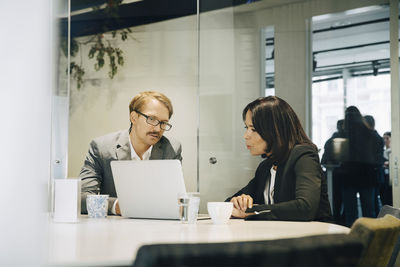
(115, 240)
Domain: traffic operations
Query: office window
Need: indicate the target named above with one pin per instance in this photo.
(351, 61)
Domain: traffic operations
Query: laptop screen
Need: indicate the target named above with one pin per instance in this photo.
(148, 188)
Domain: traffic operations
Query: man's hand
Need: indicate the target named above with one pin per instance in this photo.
(242, 202)
(117, 209)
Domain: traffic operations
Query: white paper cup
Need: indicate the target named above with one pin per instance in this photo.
(220, 212)
(97, 206)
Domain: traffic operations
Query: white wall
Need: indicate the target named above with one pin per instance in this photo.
(25, 101)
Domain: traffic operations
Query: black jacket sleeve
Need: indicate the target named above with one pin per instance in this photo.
(298, 193)
(255, 188)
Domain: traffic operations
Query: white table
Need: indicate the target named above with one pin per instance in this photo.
(115, 240)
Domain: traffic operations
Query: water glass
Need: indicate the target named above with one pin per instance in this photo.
(97, 206)
(189, 207)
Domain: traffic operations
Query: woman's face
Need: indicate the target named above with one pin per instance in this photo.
(254, 142)
(386, 138)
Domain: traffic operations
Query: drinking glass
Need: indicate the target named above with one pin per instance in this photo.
(189, 207)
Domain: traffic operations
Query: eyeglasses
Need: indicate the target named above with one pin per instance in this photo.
(154, 122)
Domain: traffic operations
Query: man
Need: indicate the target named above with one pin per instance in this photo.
(333, 159)
(149, 115)
(328, 156)
(378, 161)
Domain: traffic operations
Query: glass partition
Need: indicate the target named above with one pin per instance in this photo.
(211, 58)
(269, 55)
(351, 67)
(201, 62)
(60, 99)
(154, 47)
(351, 57)
(60, 96)
(229, 78)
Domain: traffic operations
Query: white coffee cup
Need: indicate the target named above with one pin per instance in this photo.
(220, 212)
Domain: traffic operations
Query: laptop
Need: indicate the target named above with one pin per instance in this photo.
(148, 188)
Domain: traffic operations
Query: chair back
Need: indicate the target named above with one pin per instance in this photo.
(379, 237)
(389, 210)
(396, 213)
(323, 250)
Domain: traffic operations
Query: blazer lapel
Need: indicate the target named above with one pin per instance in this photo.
(280, 171)
(265, 176)
(157, 151)
(123, 149)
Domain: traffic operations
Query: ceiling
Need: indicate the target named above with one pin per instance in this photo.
(134, 13)
(356, 40)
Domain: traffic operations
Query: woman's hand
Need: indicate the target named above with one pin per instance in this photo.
(242, 202)
(386, 164)
(240, 213)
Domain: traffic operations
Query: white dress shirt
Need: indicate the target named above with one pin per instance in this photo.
(269, 188)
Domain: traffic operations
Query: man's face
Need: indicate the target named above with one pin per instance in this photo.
(143, 132)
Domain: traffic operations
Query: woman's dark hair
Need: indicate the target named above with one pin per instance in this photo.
(277, 123)
(388, 134)
(361, 138)
(354, 121)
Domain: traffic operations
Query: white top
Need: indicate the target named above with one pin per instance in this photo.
(114, 241)
(269, 188)
(386, 153)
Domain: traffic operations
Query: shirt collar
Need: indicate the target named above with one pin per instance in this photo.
(134, 155)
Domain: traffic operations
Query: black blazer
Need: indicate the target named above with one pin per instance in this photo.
(300, 192)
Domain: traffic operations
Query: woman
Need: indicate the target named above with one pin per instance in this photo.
(387, 136)
(386, 190)
(359, 170)
(289, 184)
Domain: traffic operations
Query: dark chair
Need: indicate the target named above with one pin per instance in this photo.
(396, 213)
(323, 250)
(379, 237)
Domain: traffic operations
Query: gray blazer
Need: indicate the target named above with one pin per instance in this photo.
(96, 172)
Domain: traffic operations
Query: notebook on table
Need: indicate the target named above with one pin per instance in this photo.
(148, 188)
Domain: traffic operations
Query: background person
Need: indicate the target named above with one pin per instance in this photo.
(328, 157)
(289, 183)
(360, 176)
(386, 190)
(149, 114)
(378, 162)
(331, 160)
